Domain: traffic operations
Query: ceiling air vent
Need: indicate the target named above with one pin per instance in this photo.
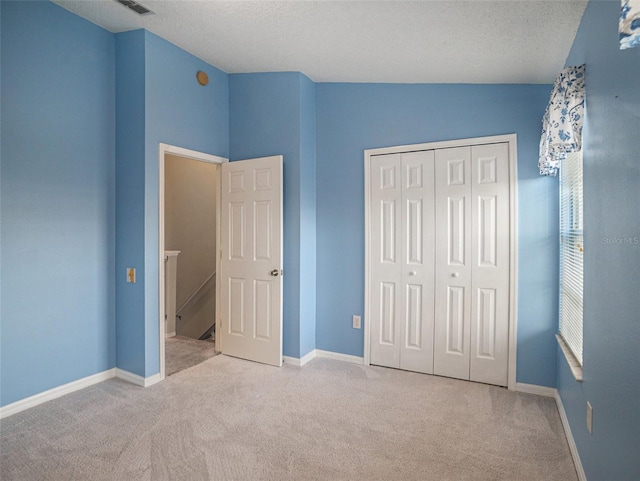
(135, 6)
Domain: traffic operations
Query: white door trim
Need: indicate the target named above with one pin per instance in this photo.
(511, 139)
(164, 149)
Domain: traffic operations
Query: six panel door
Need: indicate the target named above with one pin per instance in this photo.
(490, 261)
(386, 263)
(251, 259)
(402, 251)
(453, 262)
(418, 253)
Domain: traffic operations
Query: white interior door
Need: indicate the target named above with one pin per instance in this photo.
(402, 255)
(453, 262)
(490, 264)
(251, 259)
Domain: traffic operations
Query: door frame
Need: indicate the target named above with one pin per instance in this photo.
(511, 140)
(164, 149)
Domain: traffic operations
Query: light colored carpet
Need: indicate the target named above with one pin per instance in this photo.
(228, 419)
(183, 352)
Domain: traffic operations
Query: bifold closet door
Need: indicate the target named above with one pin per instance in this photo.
(453, 262)
(386, 263)
(418, 274)
(472, 263)
(490, 264)
(401, 260)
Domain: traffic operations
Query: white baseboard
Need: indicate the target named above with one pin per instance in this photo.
(535, 389)
(169, 334)
(300, 361)
(553, 393)
(59, 391)
(151, 380)
(308, 357)
(136, 379)
(294, 361)
(572, 443)
(56, 392)
(339, 356)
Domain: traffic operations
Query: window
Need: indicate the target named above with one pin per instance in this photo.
(571, 253)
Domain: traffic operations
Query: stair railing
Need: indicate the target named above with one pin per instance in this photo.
(195, 294)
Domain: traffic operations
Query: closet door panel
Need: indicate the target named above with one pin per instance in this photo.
(386, 260)
(452, 336)
(418, 241)
(490, 261)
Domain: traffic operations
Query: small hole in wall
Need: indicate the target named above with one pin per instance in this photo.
(202, 77)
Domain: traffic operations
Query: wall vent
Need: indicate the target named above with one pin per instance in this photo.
(135, 6)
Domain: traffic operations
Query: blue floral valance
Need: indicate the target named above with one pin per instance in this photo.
(630, 24)
(562, 121)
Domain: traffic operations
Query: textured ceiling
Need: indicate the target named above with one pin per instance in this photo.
(497, 41)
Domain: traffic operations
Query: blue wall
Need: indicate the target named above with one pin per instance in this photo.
(130, 132)
(104, 102)
(0, 202)
(84, 111)
(307, 215)
(180, 112)
(162, 101)
(274, 114)
(58, 129)
(354, 117)
(265, 120)
(611, 270)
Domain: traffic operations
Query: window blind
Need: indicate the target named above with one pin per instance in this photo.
(571, 252)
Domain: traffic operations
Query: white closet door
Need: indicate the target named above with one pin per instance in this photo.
(490, 260)
(402, 255)
(453, 262)
(439, 262)
(386, 259)
(418, 241)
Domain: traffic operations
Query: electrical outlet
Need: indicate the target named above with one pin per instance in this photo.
(589, 417)
(356, 322)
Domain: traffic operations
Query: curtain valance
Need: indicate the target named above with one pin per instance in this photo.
(630, 24)
(562, 121)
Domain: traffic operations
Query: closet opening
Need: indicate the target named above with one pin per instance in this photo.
(441, 258)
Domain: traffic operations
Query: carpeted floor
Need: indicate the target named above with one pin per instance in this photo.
(228, 419)
(183, 352)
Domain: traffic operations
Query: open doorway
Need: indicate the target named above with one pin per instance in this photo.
(189, 241)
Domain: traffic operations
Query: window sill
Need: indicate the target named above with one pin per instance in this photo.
(574, 365)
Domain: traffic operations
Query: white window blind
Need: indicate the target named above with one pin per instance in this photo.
(571, 252)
